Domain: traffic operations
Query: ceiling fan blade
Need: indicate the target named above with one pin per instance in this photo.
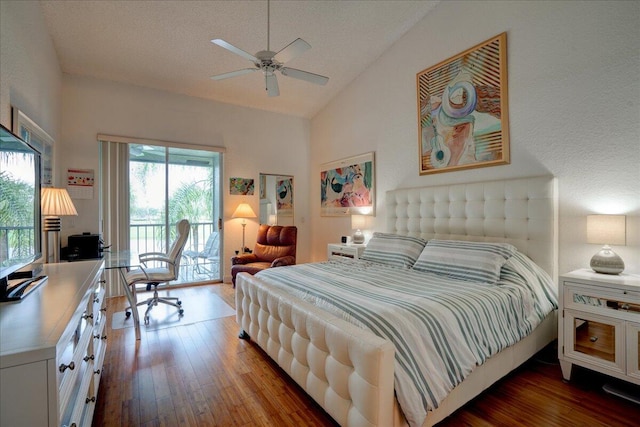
(292, 50)
(232, 48)
(272, 84)
(304, 75)
(234, 73)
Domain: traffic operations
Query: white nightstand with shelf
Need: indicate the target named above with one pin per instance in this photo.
(599, 324)
(344, 250)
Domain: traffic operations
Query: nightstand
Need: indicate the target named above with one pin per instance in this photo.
(344, 250)
(599, 323)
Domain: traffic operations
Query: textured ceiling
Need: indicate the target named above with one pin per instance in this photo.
(166, 44)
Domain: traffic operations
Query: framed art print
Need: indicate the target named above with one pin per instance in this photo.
(463, 110)
(284, 196)
(241, 186)
(347, 186)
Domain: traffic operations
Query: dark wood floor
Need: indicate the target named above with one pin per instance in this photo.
(203, 375)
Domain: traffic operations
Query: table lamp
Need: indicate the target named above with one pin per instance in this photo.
(55, 202)
(606, 230)
(243, 211)
(358, 222)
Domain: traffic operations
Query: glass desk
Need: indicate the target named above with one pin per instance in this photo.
(125, 261)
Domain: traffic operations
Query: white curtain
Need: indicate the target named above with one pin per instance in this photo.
(114, 205)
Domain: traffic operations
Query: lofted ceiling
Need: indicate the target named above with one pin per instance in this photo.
(167, 44)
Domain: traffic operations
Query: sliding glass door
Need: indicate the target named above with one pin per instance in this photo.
(146, 187)
(167, 184)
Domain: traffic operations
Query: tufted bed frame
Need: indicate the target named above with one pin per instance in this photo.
(348, 370)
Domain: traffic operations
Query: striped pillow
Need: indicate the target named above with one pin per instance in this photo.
(393, 249)
(478, 262)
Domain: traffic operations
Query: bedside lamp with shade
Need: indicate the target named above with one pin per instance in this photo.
(607, 230)
(244, 211)
(55, 202)
(358, 222)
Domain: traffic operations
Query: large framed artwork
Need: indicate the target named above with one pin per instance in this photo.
(29, 131)
(347, 186)
(463, 110)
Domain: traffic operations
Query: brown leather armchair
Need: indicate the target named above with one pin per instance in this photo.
(275, 247)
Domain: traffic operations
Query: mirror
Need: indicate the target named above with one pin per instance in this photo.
(276, 199)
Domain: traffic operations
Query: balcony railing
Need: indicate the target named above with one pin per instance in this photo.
(152, 237)
(20, 239)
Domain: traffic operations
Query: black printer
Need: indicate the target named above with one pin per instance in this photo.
(85, 246)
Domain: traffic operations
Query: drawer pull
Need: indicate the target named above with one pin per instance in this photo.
(104, 309)
(96, 300)
(88, 316)
(90, 399)
(87, 358)
(593, 339)
(103, 281)
(97, 372)
(64, 367)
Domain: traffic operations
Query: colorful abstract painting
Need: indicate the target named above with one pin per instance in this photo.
(284, 196)
(463, 110)
(241, 186)
(347, 186)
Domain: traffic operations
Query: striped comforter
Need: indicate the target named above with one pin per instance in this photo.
(441, 328)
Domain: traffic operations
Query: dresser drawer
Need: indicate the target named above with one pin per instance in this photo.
(71, 367)
(602, 301)
(71, 356)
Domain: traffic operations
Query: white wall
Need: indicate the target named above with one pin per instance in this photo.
(256, 141)
(574, 105)
(30, 77)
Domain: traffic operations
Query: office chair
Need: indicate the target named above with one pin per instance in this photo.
(153, 276)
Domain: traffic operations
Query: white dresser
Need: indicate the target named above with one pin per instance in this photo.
(599, 327)
(52, 347)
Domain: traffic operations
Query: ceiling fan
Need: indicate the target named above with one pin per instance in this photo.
(269, 62)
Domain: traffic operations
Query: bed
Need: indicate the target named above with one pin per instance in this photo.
(350, 370)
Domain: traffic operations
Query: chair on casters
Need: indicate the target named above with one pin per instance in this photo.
(153, 276)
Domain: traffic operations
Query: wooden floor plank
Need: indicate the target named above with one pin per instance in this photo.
(203, 375)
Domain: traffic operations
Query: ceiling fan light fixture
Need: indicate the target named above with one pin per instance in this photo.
(270, 62)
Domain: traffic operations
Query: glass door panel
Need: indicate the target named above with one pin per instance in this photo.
(168, 184)
(147, 198)
(595, 339)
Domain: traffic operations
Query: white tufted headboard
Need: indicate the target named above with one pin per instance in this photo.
(520, 211)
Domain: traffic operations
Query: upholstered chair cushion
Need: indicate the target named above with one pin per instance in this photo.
(275, 247)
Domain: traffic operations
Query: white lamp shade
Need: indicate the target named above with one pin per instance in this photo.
(606, 229)
(56, 202)
(358, 222)
(244, 211)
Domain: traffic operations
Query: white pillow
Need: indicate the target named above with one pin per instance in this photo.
(478, 262)
(393, 249)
